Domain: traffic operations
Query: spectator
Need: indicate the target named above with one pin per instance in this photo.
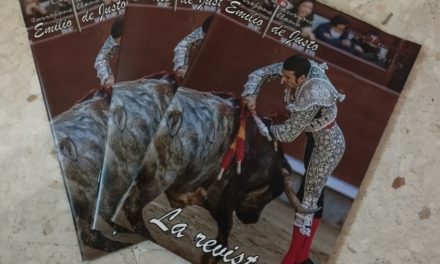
(368, 47)
(298, 14)
(303, 12)
(335, 33)
(270, 5)
(33, 8)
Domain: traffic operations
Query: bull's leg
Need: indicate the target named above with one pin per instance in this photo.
(223, 214)
(133, 210)
(119, 229)
(96, 240)
(224, 220)
(129, 212)
(83, 211)
(224, 223)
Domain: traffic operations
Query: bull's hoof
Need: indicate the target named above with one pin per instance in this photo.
(133, 223)
(121, 219)
(98, 241)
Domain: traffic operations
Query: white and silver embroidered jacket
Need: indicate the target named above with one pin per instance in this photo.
(102, 64)
(316, 94)
(181, 52)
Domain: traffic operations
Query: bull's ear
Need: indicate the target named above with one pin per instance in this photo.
(119, 116)
(68, 148)
(174, 121)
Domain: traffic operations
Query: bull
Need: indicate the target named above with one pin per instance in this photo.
(135, 111)
(183, 160)
(80, 136)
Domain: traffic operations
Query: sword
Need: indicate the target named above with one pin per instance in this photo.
(279, 3)
(175, 5)
(76, 15)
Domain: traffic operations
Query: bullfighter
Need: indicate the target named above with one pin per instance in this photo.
(108, 50)
(311, 100)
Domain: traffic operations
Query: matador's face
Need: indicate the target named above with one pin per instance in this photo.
(290, 81)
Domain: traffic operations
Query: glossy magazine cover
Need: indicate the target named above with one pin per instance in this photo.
(145, 70)
(66, 39)
(228, 131)
(231, 172)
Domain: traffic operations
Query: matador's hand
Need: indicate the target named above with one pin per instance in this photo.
(109, 82)
(181, 72)
(251, 102)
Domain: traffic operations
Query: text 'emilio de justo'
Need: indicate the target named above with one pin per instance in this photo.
(255, 19)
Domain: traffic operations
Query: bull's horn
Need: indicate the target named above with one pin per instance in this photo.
(296, 203)
(238, 167)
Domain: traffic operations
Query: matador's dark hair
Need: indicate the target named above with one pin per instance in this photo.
(207, 23)
(117, 28)
(298, 64)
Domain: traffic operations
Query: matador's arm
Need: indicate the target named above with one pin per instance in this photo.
(292, 127)
(181, 52)
(102, 63)
(257, 78)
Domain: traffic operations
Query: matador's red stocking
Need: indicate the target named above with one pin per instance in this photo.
(304, 252)
(296, 245)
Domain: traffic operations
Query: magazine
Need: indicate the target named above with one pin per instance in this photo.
(224, 131)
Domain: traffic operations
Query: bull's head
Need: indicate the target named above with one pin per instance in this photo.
(270, 179)
(252, 206)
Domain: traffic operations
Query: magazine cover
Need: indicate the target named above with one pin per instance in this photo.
(227, 145)
(88, 36)
(153, 30)
(69, 41)
(281, 97)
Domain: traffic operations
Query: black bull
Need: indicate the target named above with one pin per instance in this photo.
(80, 135)
(182, 161)
(135, 112)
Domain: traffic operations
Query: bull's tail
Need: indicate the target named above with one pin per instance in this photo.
(291, 195)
